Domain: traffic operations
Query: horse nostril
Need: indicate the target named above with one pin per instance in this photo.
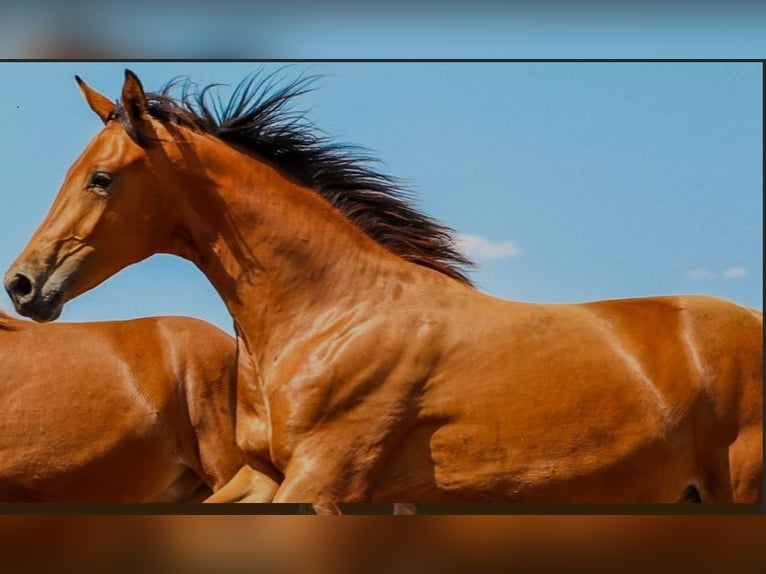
(20, 285)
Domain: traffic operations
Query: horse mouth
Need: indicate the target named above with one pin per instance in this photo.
(38, 306)
(42, 310)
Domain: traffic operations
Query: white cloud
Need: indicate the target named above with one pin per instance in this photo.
(736, 272)
(477, 246)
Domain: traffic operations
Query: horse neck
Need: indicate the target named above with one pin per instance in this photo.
(278, 254)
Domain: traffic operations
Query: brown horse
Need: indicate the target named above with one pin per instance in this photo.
(369, 368)
(121, 411)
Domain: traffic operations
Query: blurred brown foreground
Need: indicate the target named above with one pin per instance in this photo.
(382, 544)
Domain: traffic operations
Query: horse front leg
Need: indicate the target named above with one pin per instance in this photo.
(298, 488)
(326, 474)
(324, 485)
(248, 485)
(305, 486)
(405, 508)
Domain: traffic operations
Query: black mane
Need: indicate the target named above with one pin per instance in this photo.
(258, 118)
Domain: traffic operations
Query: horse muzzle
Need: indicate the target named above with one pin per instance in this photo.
(30, 300)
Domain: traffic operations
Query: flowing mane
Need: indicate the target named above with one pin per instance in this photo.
(258, 118)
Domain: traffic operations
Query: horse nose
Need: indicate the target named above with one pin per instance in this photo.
(20, 288)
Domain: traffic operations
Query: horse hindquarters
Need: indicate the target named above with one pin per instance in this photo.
(746, 452)
(730, 446)
(746, 465)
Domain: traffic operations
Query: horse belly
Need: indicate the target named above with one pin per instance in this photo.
(598, 460)
(91, 463)
(648, 469)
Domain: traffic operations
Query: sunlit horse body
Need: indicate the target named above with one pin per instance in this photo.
(369, 368)
(120, 411)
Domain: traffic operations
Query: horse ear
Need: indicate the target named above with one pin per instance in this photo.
(136, 107)
(100, 104)
(133, 97)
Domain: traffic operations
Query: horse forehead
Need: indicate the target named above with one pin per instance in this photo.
(109, 147)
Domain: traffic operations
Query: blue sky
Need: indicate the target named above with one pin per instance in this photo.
(566, 181)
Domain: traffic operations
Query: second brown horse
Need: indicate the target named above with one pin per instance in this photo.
(119, 411)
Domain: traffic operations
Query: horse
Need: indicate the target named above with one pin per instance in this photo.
(370, 369)
(120, 411)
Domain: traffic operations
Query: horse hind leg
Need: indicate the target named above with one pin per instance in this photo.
(746, 466)
(734, 474)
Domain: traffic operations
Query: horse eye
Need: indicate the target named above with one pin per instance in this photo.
(100, 179)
